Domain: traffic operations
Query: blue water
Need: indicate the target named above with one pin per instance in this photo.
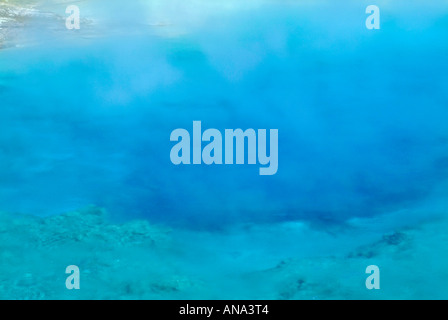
(361, 113)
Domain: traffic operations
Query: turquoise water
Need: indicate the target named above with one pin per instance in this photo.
(363, 160)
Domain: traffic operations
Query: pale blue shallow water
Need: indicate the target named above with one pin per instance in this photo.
(361, 114)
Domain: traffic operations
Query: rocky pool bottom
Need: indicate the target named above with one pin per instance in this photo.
(138, 260)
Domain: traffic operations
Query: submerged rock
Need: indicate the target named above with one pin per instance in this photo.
(395, 238)
(87, 225)
(35, 251)
(397, 241)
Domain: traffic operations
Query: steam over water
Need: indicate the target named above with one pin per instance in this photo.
(361, 114)
(86, 116)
